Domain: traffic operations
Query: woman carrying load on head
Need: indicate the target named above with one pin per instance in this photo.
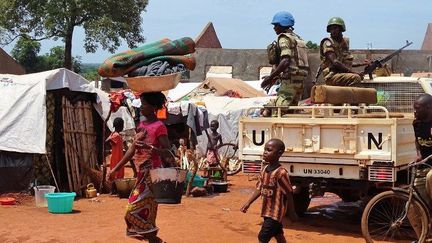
(150, 150)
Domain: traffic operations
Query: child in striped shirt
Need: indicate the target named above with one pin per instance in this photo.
(276, 191)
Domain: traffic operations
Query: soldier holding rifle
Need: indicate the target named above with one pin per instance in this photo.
(336, 59)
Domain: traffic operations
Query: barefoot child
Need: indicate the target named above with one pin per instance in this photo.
(215, 138)
(275, 188)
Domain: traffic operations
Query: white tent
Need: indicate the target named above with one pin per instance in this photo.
(256, 84)
(227, 111)
(24, 123)
(23, 109)
(222, 108)
(181, 91)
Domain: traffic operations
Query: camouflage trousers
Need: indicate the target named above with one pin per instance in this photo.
(343, 79)
(289, 94)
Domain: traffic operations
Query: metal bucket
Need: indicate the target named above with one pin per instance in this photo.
(168, 184)
(124, 186)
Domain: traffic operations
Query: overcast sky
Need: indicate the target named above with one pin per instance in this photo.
(245, 24)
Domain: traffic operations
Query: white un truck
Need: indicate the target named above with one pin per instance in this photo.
(352, 151)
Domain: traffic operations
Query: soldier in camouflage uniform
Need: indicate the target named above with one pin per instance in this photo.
(336, 59)
(283, 55)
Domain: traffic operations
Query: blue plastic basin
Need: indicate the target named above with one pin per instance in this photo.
(61, 202)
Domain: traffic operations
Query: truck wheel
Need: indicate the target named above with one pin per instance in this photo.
(301, 201)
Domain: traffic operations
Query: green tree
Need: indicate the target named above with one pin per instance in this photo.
(55, 59)
(91, 75)
(25, 52)
(312, 46)
(105, 22)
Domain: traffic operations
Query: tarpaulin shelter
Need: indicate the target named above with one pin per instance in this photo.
(227, 110)
(31, 125)
(220, 86)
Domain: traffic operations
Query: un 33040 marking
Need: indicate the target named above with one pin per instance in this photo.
(316, 172)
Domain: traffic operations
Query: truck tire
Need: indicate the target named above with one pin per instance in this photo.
(301, 201)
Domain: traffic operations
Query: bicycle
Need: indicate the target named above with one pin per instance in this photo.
(386, 215)
(228, 155)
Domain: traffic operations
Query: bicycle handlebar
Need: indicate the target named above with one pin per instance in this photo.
(421, 162)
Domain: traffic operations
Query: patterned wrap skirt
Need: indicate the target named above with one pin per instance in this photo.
(142, 208)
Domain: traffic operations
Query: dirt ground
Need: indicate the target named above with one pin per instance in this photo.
(214, 218)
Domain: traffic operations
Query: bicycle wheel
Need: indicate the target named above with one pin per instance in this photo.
(385, 218)
(228, 156)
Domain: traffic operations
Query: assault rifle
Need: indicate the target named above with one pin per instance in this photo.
(380, 61)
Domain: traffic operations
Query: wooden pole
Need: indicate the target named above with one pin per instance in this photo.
(83, 139)
(91, 139)
(89, 146)
(104, 168)
(66, 144)
(194, 171)
(72, 147)
(76, 134)
(74, 155)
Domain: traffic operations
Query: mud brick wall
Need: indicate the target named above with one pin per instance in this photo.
(246, 63)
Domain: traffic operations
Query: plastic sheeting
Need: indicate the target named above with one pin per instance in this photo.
(228, 112)
(16, 171)
(181, 91)
(221, 85)
(23, 109)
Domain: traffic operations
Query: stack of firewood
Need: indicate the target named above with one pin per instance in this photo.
(80, 144)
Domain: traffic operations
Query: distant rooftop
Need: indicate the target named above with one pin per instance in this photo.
(208, 38)
(9, 65)
(427, 42)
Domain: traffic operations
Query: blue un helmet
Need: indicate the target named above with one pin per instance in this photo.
(283, 18)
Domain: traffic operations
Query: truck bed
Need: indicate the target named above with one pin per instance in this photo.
(320, 144)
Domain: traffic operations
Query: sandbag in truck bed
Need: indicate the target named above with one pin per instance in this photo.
(174, 52)
(338, 95)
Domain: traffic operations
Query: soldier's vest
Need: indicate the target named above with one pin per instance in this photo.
(299, 65)
(341, 50)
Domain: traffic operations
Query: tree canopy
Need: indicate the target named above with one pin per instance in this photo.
(105, 22)
(26, 52)
(312, 46)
